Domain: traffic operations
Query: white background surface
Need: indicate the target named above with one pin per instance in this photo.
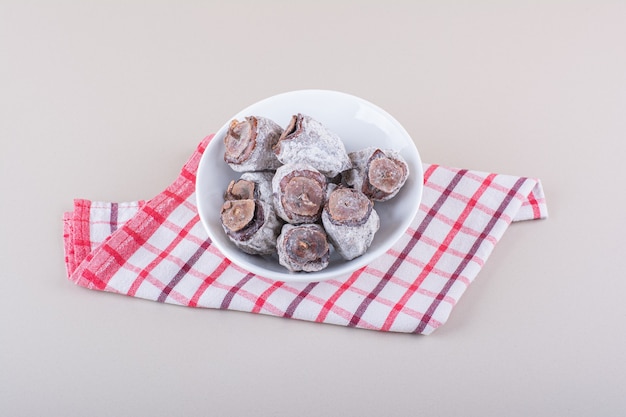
(106, 101)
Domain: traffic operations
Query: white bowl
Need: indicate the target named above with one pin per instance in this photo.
(360, 124)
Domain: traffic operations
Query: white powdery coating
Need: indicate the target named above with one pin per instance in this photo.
(356, 176)
(263, 241)
(282, 172)
(285, 260)
(263, 180)
(317, 146)
(262, 156)
(330, 187)
(351, 241)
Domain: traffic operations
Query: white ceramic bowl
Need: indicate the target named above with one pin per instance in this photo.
(360, 124)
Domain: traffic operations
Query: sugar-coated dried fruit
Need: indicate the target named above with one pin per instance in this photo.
(248, 216)
(379, 174)
(299, 193)
(248, 144)
(303, 247)
(350, 221)
(307, 141)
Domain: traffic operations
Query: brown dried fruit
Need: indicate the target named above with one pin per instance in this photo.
(240, 140)
(240, 190)
(295, 125)
(348, 206)
(307, 141)
(385, 174)
(306, 244)
(299, 193)
(303, 196)
(237, 214)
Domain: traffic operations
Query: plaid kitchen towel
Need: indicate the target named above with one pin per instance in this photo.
(159, 250)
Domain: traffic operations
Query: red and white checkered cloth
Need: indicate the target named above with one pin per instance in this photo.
(158, 250)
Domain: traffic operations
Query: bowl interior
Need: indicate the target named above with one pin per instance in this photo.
(360, 124)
